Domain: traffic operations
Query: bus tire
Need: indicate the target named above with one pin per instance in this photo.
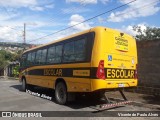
(61, 93)
(24, 85)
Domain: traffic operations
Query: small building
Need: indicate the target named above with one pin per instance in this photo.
(8, 70)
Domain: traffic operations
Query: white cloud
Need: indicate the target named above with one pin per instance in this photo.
(41, 8)
(4, 16)
(129, 29)
(104, 1)
(54, 37)
(37, 8)
(74, 10)
(7, 34)
(83, 1)
(31, 4)
(75, 19)
(33, 29)
(49, 6)
(100, 19)
(134, 10)
(18, 3)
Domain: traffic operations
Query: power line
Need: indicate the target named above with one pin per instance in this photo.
(52, 20)
(84, 21)
(82, 2)
(17, 31)
(141, 7)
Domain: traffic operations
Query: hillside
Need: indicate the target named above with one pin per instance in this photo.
(14, 47)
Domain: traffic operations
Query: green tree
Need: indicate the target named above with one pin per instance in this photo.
(6, 57)
(3, 61)
(150, 33)
(16, 71)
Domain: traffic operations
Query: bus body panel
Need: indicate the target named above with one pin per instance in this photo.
(98, 84)
(117, 50)
(73, 80)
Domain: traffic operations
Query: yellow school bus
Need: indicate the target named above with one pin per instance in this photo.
(94, 60)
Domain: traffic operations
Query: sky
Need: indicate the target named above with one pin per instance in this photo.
(44, 17)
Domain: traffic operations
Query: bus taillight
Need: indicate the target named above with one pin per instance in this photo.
(136, 73)
(100, 72)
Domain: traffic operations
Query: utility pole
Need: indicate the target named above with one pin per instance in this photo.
(24, 34)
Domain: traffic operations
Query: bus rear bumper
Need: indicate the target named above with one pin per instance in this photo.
(98, 84)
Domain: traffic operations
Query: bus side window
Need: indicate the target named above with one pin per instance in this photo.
(80, 50)
(33, 58)
(68, 55)
(75, 51)
(51, 55)
(43, 56)
(54, 54)
(38, 57)
(58, 54)
(23, 60)
(29, 59)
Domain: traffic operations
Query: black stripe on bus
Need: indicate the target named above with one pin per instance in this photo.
(58, 72)
(110, 73)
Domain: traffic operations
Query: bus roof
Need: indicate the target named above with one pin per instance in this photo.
(70, 36)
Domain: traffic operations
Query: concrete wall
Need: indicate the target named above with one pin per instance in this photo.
(148, 66)
(149, 62)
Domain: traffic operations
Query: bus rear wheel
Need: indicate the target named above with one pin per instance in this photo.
(61, 93)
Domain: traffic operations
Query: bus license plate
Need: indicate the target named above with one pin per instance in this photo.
(121, 85)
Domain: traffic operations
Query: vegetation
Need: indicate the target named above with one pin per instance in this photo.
(16, 71)
(150, 33)
(6, 57)
(3, 62)
(10, 52)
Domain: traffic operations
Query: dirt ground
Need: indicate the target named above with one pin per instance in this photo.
(137, 97)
